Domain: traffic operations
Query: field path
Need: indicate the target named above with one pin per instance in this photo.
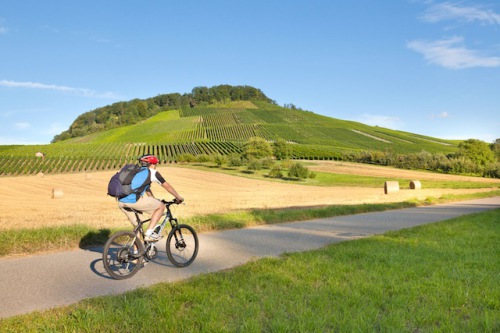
(51, 280)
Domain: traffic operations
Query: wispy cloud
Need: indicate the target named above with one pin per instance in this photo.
(450, 11)
(66, 89)
(450, 53)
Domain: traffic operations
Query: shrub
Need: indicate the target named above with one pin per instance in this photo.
(492, 170)
(219, 160)
(234, 160)
(203, 158)
(267, 162)
(275, 172)
(254, 164)
(297, 170)
(185, 158)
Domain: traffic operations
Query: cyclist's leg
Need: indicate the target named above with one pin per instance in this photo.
(130, 215)
(150, 206)
(155, 217)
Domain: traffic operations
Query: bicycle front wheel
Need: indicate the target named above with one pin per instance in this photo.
(118, 255)
(182, 245)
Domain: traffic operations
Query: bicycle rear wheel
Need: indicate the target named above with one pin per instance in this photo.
(182, 245)
(118, 252)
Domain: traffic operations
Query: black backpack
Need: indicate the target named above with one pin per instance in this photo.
(119, 185)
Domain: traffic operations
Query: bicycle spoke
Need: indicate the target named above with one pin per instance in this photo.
(182, 245)
(118, 255)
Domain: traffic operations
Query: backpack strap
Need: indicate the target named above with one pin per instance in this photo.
(145, 184)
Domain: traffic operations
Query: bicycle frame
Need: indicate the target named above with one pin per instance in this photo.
(139, 230)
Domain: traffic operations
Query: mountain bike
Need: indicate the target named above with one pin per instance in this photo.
(126, 251)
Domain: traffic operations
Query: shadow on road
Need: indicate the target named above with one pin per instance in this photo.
(94, 238)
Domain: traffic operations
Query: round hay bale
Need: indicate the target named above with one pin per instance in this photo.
(40, 154)
(391, 187)
(415, 185)
(40, 174)
(57, 193)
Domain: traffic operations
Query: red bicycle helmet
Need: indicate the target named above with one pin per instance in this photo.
(148, 159)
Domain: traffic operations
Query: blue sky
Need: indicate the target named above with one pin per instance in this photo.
(427, 67)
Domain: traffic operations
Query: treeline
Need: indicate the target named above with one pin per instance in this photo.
(474, 157)
(128, 113)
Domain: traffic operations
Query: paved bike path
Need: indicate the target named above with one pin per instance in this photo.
(46, 281)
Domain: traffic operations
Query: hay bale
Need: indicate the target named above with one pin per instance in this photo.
(57, 193)
(40, 154)
(391, 187)
(415, 185)
(40, 174)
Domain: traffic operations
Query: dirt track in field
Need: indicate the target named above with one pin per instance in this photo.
(27, 201)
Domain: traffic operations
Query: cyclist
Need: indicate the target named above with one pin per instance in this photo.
(145, 202)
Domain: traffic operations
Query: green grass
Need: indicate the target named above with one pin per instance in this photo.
(441, 277)
(339, 180)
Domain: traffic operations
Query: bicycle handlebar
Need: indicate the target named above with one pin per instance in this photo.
(168, 203)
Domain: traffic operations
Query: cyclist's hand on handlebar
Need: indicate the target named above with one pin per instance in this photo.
(179, 200)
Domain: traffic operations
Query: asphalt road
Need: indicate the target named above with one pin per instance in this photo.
(42, 282)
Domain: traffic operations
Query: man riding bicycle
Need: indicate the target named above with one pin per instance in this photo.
(147, 203)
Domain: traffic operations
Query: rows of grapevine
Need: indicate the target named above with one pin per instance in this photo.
(203, 111)
(91, 157)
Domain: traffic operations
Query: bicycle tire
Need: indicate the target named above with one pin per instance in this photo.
(116, 255)
(182, 245)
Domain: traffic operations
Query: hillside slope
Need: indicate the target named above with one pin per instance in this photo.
(237, 122)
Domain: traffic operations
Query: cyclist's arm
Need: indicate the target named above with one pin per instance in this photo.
(172, 191)
(157, 177)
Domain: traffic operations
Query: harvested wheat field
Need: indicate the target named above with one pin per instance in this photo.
(27, 202)
(390, 172)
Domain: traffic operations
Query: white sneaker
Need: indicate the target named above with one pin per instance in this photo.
(153, 237)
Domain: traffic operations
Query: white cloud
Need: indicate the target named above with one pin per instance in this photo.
(22, 125)
(450, 53)
(449, 11)
(78, 91)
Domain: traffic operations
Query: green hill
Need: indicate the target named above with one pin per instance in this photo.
(236, 122)
(198, 125)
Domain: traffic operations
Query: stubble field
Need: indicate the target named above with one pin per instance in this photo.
(26, 202)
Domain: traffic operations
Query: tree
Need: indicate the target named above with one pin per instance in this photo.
(281, 149)
(297, 170)
(257, 148)
(495, 147)
(477, 151)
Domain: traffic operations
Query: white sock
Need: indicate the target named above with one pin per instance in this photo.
(149, 232)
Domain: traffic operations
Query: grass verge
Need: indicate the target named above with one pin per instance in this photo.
(441, 277)
(22, 241)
